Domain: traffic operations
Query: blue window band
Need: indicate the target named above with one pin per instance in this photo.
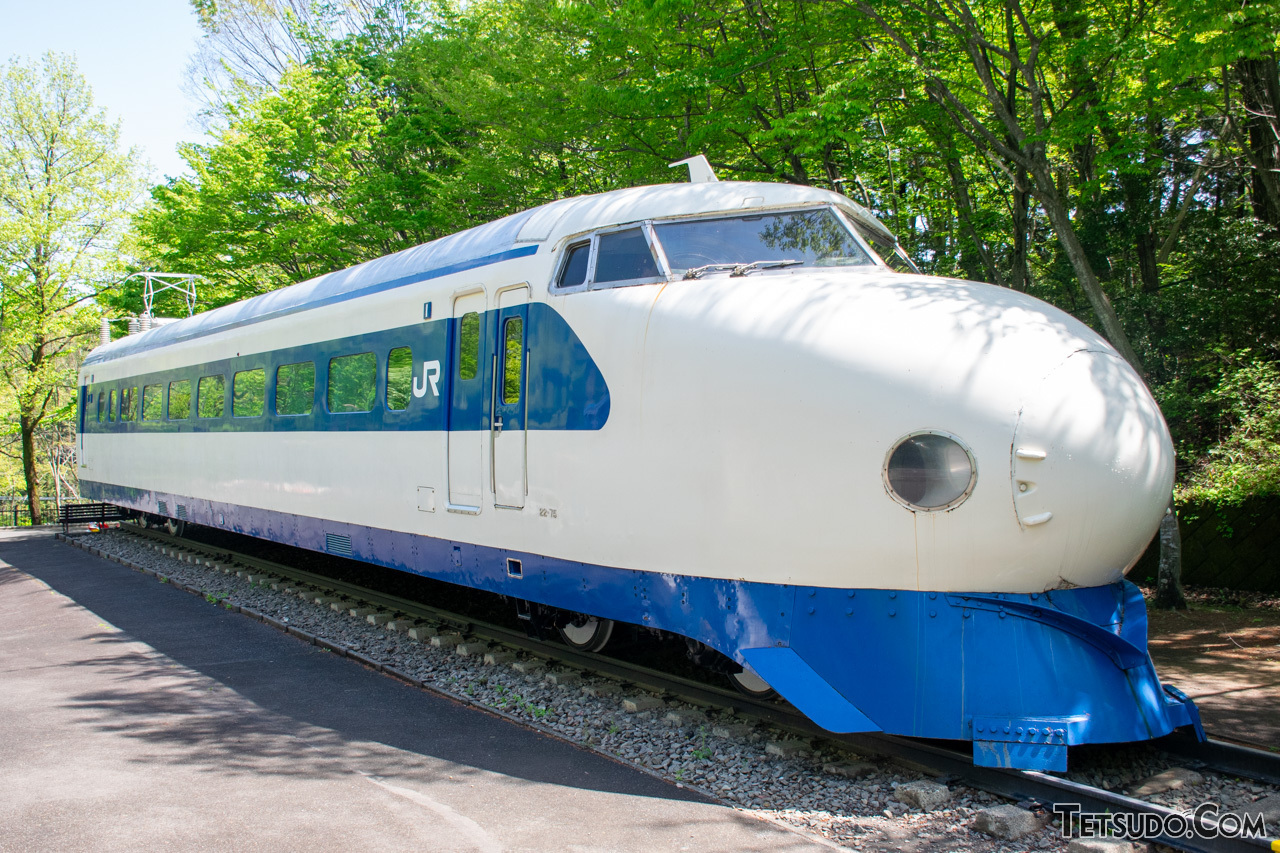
(565, 388)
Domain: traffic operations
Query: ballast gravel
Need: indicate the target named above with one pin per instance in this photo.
(813, 786)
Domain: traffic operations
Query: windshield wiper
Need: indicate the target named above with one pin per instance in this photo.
(743, 269)
(738, 269)
(697, 272)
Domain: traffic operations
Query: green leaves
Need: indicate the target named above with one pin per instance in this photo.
(1246, 462)
(66, 191)
(269, 202)
(354, 156)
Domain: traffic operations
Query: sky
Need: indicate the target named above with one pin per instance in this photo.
(134, 54)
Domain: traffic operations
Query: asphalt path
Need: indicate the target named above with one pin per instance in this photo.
(134, 716)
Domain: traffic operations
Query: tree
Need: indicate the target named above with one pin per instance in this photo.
(977, 58)
(361, 151)
(267, 203)
(65, 196)
(249, 45)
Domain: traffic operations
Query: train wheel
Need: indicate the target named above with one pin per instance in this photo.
(752, 685)
(586, 633)
(175, 527)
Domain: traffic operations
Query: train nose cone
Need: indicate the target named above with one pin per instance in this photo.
(1092, 466)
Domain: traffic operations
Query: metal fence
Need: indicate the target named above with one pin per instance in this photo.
(1236, 547)
(1233, 547)
(15, 513)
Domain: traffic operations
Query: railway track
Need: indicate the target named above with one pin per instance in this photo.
(940, 759)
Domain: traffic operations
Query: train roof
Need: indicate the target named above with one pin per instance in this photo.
(519, 235)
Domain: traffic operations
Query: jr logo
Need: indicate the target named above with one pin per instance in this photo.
(430, 373)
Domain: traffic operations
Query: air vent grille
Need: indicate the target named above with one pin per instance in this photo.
(164, 508)
(182, 512)
(336, 543)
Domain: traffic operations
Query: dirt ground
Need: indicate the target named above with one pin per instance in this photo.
(1224, 652)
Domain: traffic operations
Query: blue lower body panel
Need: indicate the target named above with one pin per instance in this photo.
(1020, 676)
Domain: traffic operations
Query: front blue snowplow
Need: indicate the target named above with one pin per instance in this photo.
(1021, 676)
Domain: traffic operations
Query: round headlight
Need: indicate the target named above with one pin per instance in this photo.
(930, 470)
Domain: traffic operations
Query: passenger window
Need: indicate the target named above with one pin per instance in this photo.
(211, 397)
(102, 405)
(353, 383)
(295, 388)
(248, 393)
(152, 402)
(469, 346)
(129, 404)
(180, 400)
(399, 378)
(624, 255)
(575, 265)
(512, 359)
(111, 406)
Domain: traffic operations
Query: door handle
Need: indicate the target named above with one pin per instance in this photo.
(497, 424)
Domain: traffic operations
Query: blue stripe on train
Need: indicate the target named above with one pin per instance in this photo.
(1022, 676)
(564, 386)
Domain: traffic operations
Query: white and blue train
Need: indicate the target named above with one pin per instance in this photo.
(713, 409)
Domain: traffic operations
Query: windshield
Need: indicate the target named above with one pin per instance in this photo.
(798, 238)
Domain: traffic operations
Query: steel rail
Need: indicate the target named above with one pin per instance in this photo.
(1049, 790)
(946, 761)
(1232, 759)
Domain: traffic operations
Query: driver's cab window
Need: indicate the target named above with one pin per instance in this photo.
(575, 265)
(611, 259)
(624, 255)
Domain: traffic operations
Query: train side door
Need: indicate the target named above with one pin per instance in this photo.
(468, 403)
(507, 430)
(84, 402)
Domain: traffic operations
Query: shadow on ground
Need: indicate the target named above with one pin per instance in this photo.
(231, 695)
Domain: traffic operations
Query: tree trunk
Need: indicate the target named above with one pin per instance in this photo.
(1019, 271)
(1141, 188)
(55, 468)
(964, 207)
(1046, 193)
(29, 468)
(1260, 94)
(1144, 243)
(1169, 577)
